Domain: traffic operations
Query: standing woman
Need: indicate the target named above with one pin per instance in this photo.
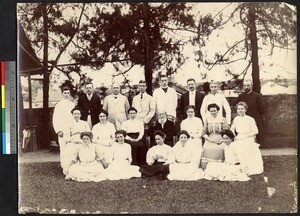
(158, 158)
(186, 166)
(135, 132)
(120, 167)
(104, 134)
(89, 166)
(194, 126)
(246, 149)
(214, 124)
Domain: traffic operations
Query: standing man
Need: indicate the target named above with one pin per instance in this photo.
(192, 97)
(220, 100)
(255, 106)
(61, 119)
(165, 98)
(144, 104)
(90, 104)
(117, 106)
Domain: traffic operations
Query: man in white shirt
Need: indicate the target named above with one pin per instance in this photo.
(144, 104)
(220, 100)
(117, 106)
(165, 98)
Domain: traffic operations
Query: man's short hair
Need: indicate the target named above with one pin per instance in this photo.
(191, 79)
(163, 75)
(142, 82)
(88, 83)
(213, 82)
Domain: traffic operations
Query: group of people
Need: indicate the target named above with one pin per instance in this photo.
(122, 141)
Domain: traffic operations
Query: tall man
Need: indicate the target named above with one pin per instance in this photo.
(117, 106)
(255, 106)
(165, 98)
(192, 97)
(90, 104)
(220, 100)
(144, 104)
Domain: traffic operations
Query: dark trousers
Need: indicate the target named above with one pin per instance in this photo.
(138, 150)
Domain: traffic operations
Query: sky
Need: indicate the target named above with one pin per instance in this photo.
(281, 63)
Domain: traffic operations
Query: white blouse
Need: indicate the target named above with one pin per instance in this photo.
(183, 153)
(104, 134)
(193, 126)
(163, 152)
(134, 126)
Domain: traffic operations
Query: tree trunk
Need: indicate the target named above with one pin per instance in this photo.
(148, 51)
(46, 117)
(254, 48)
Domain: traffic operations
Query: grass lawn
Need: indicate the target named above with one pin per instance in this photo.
(42, 187)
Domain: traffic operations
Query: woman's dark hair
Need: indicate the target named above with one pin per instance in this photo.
(228, 133)
(242, 103)
(76, 108)
(132, 109)
(183, 132)
(104, 112)
(160, 133)
(213, 106)
(189, 107)
(86, 133)
(121, 132)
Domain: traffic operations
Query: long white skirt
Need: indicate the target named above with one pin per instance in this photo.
(87, 172)
(225, 172)
(122, 170)
(249, 156)
(185, 172)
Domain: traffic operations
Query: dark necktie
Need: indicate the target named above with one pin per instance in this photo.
(165, 90)
(141, 95)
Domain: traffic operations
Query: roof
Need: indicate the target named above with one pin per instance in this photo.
(28, 62)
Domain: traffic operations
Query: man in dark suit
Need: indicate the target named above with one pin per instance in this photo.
(192, 97)
(255, 107)
(90, 104)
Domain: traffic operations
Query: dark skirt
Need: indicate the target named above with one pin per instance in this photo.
(156, 169)
(138, 150)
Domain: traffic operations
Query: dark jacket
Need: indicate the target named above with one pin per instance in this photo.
(184, 102)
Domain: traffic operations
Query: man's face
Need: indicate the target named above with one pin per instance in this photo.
(191, 85)
(213, 88)
(247, 86)
(89, 89)
(115, 89)
(164, 82)
(66, 94)
(142, 87)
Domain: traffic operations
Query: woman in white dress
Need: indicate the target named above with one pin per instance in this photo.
(186, 166)
(194, 126)
(75, 128)
(158, 158)
(135, 132)
(245, 147)
(104, 135)
(213, 150)
(230, 169)
(120, 167)
(89, 166)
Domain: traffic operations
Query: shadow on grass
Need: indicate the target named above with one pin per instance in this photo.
(43, 185)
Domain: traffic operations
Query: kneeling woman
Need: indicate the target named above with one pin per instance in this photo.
(186, 166)
(158, 158)
(89, 166)
(120, 167)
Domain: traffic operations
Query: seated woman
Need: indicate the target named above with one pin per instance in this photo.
(164, 125)
(213, 150)
(186, 166)
(135, 132)
(87, 168)
(120, 167)
(230, 169)
(246, 149)
(158, 158)
(75, 129)
(104, 135)
(194, 127)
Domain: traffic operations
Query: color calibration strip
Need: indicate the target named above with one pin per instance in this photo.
(8, 107)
